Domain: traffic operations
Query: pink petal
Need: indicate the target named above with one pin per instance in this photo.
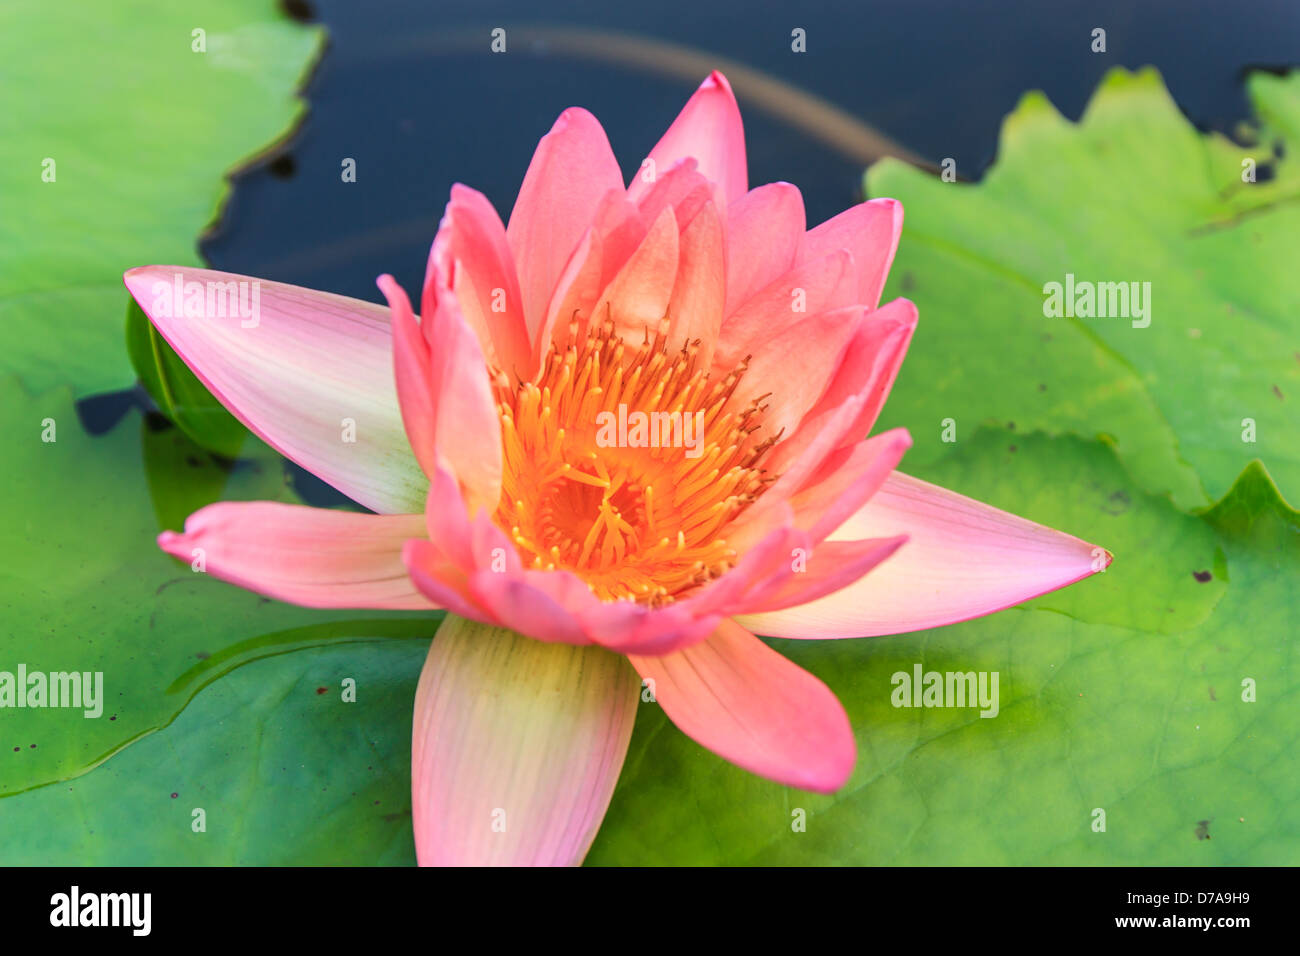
(964, 559)
(846, 480)
(618, 229)
(473, 257)
(709, 130)
(739, 698)
(682, 189)
(695, 308)
(307, 556)
(820, 495)
(830, 567)
(446, 396)
(870, 231)
(868, 368)
(792, 366)
(439, 579)
(571, 170)
(764, 229)
(638, 297)
(809, 288)
(313, 367)
(516, 748)
(782, 564)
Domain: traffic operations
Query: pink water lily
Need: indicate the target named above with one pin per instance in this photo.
(502, 441)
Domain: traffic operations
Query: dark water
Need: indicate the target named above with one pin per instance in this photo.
(410, 90)
(417, 112)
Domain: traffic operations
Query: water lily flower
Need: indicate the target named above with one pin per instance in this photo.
(588, 562)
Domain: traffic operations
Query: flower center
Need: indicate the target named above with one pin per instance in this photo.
(621, 465)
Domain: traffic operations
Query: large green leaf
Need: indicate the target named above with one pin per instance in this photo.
(283, 768)
(1130, 193)
(1122, 694)
(85, 588)
(140, 129)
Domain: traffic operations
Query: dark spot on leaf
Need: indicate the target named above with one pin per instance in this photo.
(1278, 392)
(1202, 829)
(16, 749)
(394, 817)
(909, 281)
(1011, 425)
(1202, 576)
(202, 655)
(1042, 387)
(1212, 697)
(1011, 448)
(1117, 503)
(33, 746)
(283, 166)
(322, 690)
(114, 717)
(299, 10)
(193, 462)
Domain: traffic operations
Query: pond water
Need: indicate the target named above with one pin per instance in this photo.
(413, 93)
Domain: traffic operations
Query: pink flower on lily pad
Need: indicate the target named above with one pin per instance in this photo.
(627, 435)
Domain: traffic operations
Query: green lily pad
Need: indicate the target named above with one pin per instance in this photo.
(1132, 193)
(271, 761)
(113, 144)
(86, 588)
(1121, 696)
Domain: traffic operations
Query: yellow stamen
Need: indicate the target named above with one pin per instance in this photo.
(639, 518)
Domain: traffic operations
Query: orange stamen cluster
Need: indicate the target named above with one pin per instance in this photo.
(635, 523)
